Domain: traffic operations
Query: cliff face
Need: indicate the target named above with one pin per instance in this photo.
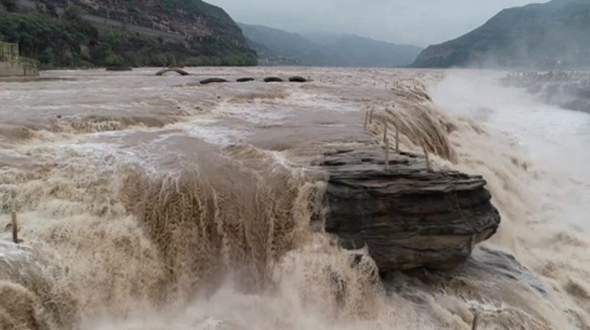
(550, 34)
(125, 33)
(187, 17)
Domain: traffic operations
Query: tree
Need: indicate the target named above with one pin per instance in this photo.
(163, 59)
(51, 10)
(71, 41)
(114, 60)
(74, 13)
(131, 59)
(46, 57)
(9, 29)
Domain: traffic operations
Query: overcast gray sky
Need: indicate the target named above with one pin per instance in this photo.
(418, 22)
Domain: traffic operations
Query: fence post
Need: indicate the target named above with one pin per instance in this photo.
(385, 130)
(428, 168)
(14, 227)
(475, 321)
(396, 138)
(386, 154)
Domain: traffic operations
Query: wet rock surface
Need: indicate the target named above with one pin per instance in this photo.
(407, 216)
(297, 79)
(212, 80)
(502, 263)
(273, 79)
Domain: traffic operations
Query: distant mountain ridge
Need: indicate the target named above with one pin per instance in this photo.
(550, 34)
(276, 46)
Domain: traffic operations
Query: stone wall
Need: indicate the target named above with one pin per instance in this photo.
(10, 69)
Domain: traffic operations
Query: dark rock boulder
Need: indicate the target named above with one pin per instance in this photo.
(297, 79)
(212, 80)
(247, 79)
(273, 79)
(407, 216)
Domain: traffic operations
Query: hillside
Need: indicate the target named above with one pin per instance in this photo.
(193, 18)
(537, 35)
(86, 33)
(275, 46)
(355, 51)
(280, 47)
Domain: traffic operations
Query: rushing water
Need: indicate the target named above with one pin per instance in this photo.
(150, 202)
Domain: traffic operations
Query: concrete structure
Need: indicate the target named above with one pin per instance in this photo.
(8, 51)
(12, 65)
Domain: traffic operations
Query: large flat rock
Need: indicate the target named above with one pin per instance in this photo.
(407, 216)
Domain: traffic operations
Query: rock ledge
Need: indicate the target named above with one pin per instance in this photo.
(408, 217)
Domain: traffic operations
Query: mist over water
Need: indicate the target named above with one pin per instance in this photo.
(552, 145)
(554, 141)
(549, 134)
(150, 203)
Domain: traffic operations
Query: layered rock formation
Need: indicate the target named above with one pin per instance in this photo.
(408, 216)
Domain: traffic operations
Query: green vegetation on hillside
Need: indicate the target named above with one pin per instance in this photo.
(183, 13)
(71, 41)
(553, 34)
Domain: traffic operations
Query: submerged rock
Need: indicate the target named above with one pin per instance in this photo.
(273, 79)
(407, 216)
(212, 80)
(297, 79)
(502, 263)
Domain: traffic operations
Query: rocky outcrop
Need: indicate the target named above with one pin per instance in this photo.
(408, 217)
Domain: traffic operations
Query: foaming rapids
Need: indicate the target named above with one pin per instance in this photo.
(236, 214)
(212, 218)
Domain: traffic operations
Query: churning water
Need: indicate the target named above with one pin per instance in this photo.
(151, 202)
